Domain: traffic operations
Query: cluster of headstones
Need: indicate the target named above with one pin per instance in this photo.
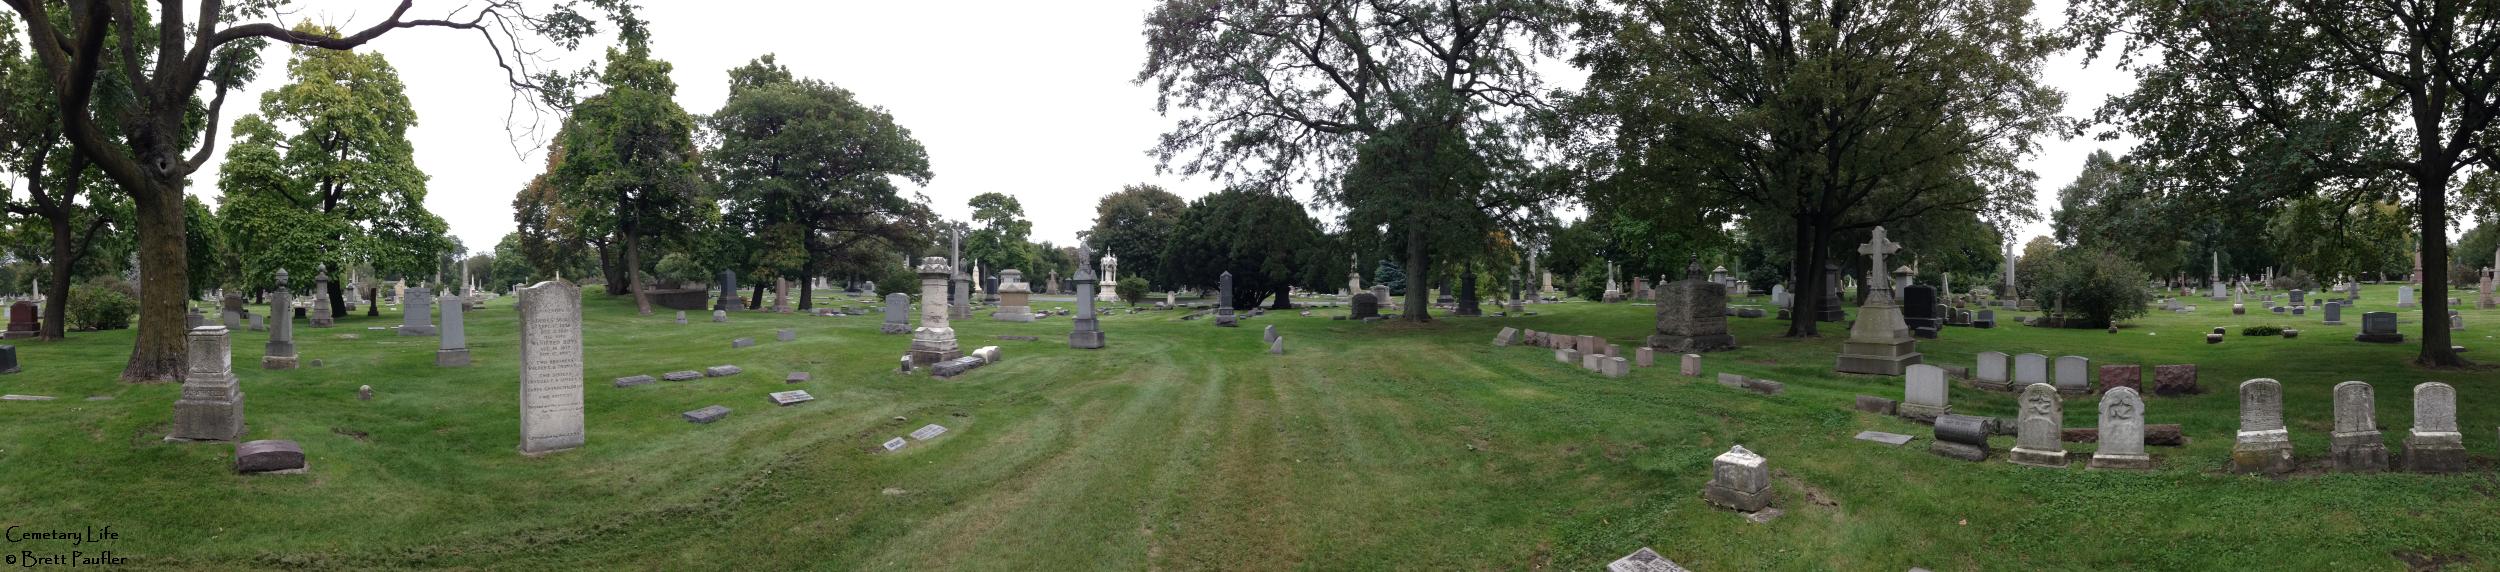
(2435, 444)
(1589, 352)
(2073, 373)
(2040, 431)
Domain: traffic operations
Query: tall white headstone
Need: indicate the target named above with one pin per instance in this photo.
(551, 367)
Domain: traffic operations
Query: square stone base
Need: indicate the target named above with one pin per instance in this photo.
(451, 358)
(2114, 461)
(2263, 457)
(1691, 344)
(416, 330)
(1013, 314)
(926, 358)
(2022, 456)
(2435, 453)
(1085, 340)
(1963, 451)
(1736, 500)
(206, 420)
(2361, 452)
(1992, 385)
(888, 328)
(1875, 364)
(277, 362)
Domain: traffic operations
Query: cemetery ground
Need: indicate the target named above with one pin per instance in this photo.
(1185, 446)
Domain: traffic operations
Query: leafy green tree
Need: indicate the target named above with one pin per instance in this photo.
(1134, 225)
(1130, 289)
(810, 171)
(2361, 102)
(1392, 109)
(146, 143)
(1818, 120)
(999, 237)
(1269, 243)
(202, 233)
(510, 266)
(2093, 288)
(1388, 273)
(630, 169)
(68, 217)
(343, 186)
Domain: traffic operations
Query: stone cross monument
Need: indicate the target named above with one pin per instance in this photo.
(1880, 342)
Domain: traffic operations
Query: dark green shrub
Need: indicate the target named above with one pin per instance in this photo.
(101, 305)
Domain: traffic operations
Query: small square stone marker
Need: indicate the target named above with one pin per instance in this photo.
(630, 381)
(793, 397)
(895, 444)
(1893, 439)
(741, 343)
(1643, 560)
(722, 371)
(707, 415)
(685, 375)
(796, 377)
(927, 432)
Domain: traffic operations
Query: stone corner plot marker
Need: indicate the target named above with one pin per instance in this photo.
(551, 367)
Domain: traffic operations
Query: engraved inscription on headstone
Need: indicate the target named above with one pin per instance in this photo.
(551, 367)
(927, 432)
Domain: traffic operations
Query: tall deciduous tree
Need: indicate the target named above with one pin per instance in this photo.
(1268, 241)
(149, 151)
(1000, 237)
(66, 201)
(2361, 101)
(811, 171)
(630, 169)
(342, 187)
(1389, 108)
(1822, 117)
(1134, 225)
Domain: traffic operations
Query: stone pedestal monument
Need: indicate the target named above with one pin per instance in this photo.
(211, 407)
(728, 301)
(1614, 292)
(934, 340)
(1109, 282)
(1692, 315)
(1087, 334)
(279, 353)
(320, 314)
(1015, 298)
(1880, 342)
(1224, 317)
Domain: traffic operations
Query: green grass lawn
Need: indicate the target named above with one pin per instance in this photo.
(1384, 446)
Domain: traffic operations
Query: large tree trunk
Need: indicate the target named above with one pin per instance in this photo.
(633, 273)
(337, 291)
(807, 284)
(756, 301)
(1805, 296)
(157, 352)
(1418, 295)
(56, 290)
(1284, 298)
(2432, 188)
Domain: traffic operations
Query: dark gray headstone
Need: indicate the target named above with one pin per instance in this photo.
(268, 456)
(2379, 328)
(8, 359)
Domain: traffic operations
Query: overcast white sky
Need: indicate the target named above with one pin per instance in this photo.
(1028, 98)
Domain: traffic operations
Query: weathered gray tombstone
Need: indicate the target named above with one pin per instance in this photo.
(2334, 314)
(1924, 393)
(2074, 375)
(1270, 335)
(1962, 437)
(454, 349)
(1739, 480)
(741, 343)
(934, 341)
(1692, 315)
(728, 292)
(8, 359)
(417, 312)
(2435, 445)
(211, 406)
(786, 335)
(279, 353)
(1224, 301)
(2030, 369)
(551, 367)
(1643, 560)
(706, 415)
(1992, 371)
(1276, 346)
(1500, 339)
(1689, 365)
(2121, 432)
(1085, 330)
(2039, 427)
(681, 317)
(2379, 328)
(2355, 446)
(720, 316)
(898, 314)
(2264, 445)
